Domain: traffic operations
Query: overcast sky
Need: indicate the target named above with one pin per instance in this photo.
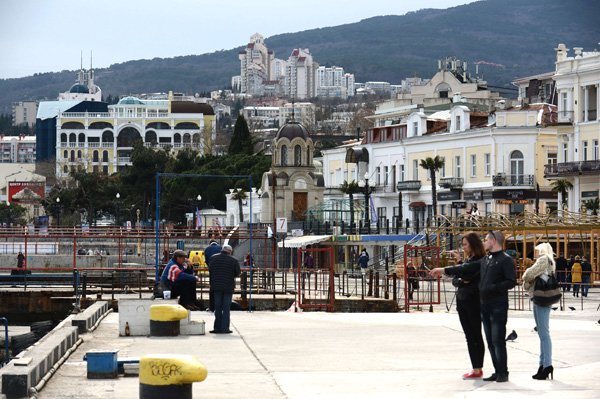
(49, 35)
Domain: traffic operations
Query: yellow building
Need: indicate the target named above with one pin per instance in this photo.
(103, 142)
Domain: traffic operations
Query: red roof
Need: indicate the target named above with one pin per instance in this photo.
(301, 59)
(295, 53)
(250, 45)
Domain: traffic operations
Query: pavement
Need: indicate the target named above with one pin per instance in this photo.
(350, 355)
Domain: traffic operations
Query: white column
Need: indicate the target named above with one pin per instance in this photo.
(586, 103)
(598, 102)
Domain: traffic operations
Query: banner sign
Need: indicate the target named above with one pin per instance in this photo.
(26, 192)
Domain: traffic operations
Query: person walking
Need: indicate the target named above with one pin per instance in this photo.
(576, 275)
(561, 270)
(497, 276)
(586, 273)
(544, 265)
(223, 269)
(363, 261)
(468, 304)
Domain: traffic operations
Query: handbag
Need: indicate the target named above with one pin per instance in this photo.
(546, 291)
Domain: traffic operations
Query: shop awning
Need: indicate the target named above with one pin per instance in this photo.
(416, 204)
(299, 242)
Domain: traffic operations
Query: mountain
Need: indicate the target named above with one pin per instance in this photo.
(518, 36)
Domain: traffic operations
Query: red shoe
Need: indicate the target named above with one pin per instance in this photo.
(472, 375)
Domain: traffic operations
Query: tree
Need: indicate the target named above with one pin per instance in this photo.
(592, 205)
(433, 165)
(562, 186)
(239, 196)
(241, 140)
(350, 188)
(13, 213)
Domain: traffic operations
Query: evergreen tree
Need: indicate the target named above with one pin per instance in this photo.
(241, 140)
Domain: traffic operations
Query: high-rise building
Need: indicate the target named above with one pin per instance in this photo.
(334, 82)
(301, 75)
(255, 66)
(24, 112)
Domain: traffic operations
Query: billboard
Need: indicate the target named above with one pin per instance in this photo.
(26, 192)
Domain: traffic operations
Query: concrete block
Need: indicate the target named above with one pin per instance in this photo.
(86, 320)
(136, 312)
(17, 379)
(192, 328)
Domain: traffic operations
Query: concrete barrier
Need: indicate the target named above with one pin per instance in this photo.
(169, 376)
(136, 313)
(164, 319)
(84, 321)
(26, 371)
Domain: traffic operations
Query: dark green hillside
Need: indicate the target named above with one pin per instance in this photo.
(518, 34)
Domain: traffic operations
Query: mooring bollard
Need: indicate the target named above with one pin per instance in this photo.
(169, 376)
(164, 320)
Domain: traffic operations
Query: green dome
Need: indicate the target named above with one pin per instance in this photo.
(79, 88)
(130, 101)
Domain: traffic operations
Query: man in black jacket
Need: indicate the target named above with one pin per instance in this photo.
(497, 276)
(223, 269)
(561, 270)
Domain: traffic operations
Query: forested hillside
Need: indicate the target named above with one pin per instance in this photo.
(517, 35)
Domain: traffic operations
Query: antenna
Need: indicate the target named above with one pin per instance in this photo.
(293, 110)
(81, 60)
(91, 58)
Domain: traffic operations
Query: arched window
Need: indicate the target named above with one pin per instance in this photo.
(79, 154)
(284, 155)
(308, 156)
(104, 156)
(517, 163)
(66, 154)
(66, 169)
(72, 156)
(297, 155)
(95, 156)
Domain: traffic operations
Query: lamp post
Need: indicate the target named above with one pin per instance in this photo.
(198, 199)
(118, 201)
(58, 211)
(368, 187)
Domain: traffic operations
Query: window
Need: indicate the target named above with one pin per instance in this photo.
(564, 102)
(105, 156)
(457, 172)
(331, 182)
(382, 216)
(105, 169)
(415, 128)
(378, 175)
(401, 176)
(457, 127)
(346, 175)
(584, 150)
(565, 152)
(443, 210)
(473, 165)
(595, 150)
(551, 157)
(487, 165)
(308, 156)
(297, 155)
(516, 168)
(284, 155)
(415, 169)
(95, 156)
(338, 176)
(385, 175)
(443, 171)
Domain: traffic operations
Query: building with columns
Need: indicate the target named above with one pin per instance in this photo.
(577, 78)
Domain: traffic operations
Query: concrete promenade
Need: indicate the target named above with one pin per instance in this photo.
(350, 355)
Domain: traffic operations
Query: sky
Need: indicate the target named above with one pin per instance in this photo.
(49, 35)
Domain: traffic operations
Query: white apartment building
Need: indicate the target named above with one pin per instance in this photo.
(24, 112)
(17, 149)
(300, 81)
(261, 117)
(299, 112)
(577, 80)
(255, 66)
(334, 82)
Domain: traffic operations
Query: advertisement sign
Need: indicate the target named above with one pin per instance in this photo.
(26, 192)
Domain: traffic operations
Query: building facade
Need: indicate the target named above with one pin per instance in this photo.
(301, 75)
(17, 149)
(24, 112)
(255, 66)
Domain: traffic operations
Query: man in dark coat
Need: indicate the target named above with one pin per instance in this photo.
(212, 249)
(497, 276)
(223, 269)
(586, 273)
(561, 270)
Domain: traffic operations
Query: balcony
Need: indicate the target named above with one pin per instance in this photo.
(409, 185)
(572, 169)
(565, 116)
(124, 160)
(452, 182)
(513, 180)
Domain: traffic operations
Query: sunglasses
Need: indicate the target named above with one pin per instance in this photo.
(490, 232)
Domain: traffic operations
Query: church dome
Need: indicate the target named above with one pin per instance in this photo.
(291, 130)
(79, 88)
(130, 101)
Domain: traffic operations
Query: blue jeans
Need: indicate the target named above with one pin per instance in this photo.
(222, 309)
(585, 281)
(541, 314)
(493, 317)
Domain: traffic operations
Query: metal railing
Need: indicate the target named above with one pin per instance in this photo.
(451, 182)
(513, 180)
(572, 168)
(409, 185)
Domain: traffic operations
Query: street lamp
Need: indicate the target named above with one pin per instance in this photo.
(58, 211)
(368, 187)
(118, 196)
(198, 199)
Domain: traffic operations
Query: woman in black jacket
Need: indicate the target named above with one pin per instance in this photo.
(468, 303)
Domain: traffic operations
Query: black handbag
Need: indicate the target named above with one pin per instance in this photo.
(546, 292)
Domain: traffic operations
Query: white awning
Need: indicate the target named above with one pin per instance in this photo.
(299, 242)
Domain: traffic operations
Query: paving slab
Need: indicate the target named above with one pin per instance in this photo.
(349, 355)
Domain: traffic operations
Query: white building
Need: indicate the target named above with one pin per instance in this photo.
(233, 207)
(299, 112)
(255, 66)
(261, 117)
(24, 112)
(301, 70)
(18, 149)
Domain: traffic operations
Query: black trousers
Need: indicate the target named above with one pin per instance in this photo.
(469, 312)
(185, 290)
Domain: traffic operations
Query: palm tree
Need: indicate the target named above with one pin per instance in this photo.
(433, 165)
(350, 188)
(593, 205)
(239, 196)
(562, 186)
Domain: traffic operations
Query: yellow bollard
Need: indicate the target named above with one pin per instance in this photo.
(164, 320)
(169, 376)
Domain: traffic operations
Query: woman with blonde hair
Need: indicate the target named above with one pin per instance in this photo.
(543, 267)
